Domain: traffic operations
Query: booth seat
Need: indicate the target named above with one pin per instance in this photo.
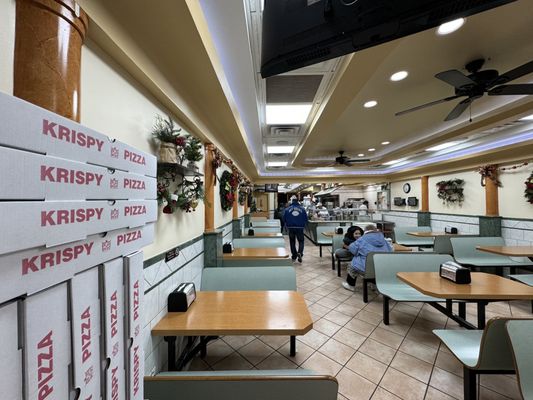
(258, 242)
(241, 385)
(401, 236)
(248, 278)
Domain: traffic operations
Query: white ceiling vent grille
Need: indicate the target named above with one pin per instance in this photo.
(284, 131)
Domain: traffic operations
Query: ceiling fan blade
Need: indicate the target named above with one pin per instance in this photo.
(455, 78)
(525, 89)
(513, 74)
(433, 103)
(459, 109)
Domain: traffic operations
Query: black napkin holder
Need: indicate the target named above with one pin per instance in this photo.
(251, 232)
(181, 298)
(339, 231)
(450, 230)
(227, 248)
(454, 272)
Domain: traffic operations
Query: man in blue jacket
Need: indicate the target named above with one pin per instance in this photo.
(295, 219)
(372, 241)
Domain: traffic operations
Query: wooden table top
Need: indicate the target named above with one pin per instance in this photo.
(431, 234)
(399, 247)
(256, 252)
(511, 251)
(239, 313)
(256, 235)
(483, 287)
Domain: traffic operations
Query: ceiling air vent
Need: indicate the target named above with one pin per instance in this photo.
(284, 131)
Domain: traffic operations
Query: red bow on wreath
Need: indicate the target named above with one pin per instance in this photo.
(491, 172)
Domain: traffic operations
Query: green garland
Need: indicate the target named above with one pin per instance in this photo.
(228, 187)
(528, 193)
(451, 191)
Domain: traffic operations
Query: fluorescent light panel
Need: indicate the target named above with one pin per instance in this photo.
(528, 118)
(442, 146)
(280, 149)
(277, 164)
(392, 162)
(287, 114)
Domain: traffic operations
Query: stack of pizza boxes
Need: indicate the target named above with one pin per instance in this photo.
(75, 209)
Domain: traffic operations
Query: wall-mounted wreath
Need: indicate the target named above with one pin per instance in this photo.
(228, 187)
(451, 191)
(528, 193)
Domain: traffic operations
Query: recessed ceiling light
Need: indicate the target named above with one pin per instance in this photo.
(371, 149)
(370, 104)
(360, 155)
(385, 143)
(277, 164)
(451, 26)
(442, 146)
(287, 114)
(528, 118)
(399, 76)
(280, 149)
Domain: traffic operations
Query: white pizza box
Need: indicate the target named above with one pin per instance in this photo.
(134, 282)
(86, 328)
(47, 344)
(135, 371)
(10, 352)
(32, 224)
(112, 281)
(29, 127)
(32, 270)
(32, 176)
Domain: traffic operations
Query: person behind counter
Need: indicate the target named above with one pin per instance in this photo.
(352, 234)
(371, 241)
(295, 219)
(321, 211)
(363, 208)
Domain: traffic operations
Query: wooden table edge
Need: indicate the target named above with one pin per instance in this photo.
(236, 332)
(490, 249)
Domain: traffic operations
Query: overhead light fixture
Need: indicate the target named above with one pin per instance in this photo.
(277, 164)
(451, 26)
(528, 118)
(370, 104)
(287, 114)
(392, 162)
(399, 76)
(280, 149)
(385, 143)
(360, 155)
(442, 146)
(371, 149)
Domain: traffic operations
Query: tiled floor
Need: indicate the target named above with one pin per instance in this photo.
(349, 341)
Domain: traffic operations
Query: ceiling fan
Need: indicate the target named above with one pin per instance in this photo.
(477, 83)
(345, 160)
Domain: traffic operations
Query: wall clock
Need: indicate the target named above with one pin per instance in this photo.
(406, 188)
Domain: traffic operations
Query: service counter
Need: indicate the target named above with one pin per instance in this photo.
(311, 229)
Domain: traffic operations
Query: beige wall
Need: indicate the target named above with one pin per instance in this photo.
(221, 217)
(474, 203)
(114, 104)
(512, 202)
(416, 191)
(7, 42)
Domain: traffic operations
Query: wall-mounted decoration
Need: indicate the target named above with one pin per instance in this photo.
(406, 188)
(193, 152)
(228, 187)
(490, 172)
(171, 143)
(451, 191)
(186, 197)
(528, 193)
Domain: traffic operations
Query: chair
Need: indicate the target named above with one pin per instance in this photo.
(241, 385)
(387, 265)
(258, 242)
(519, 332)
(336, 244)
(480, 351)
(465, 253)
(322, 240)
(401, 236)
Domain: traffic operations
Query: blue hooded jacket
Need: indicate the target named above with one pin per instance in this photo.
(295, 216)
(369, 242)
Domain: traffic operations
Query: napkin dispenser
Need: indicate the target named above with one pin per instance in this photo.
(251, 232)
(451, 230)
(181, 298)
(454, 272)
(339, 231)
(227, 248)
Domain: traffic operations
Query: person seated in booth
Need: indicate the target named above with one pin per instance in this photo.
(352, 234)
(371, 241)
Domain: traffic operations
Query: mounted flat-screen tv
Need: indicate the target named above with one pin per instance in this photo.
(412, 201)
(297, 33)
(271, 187)
(398, 201)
